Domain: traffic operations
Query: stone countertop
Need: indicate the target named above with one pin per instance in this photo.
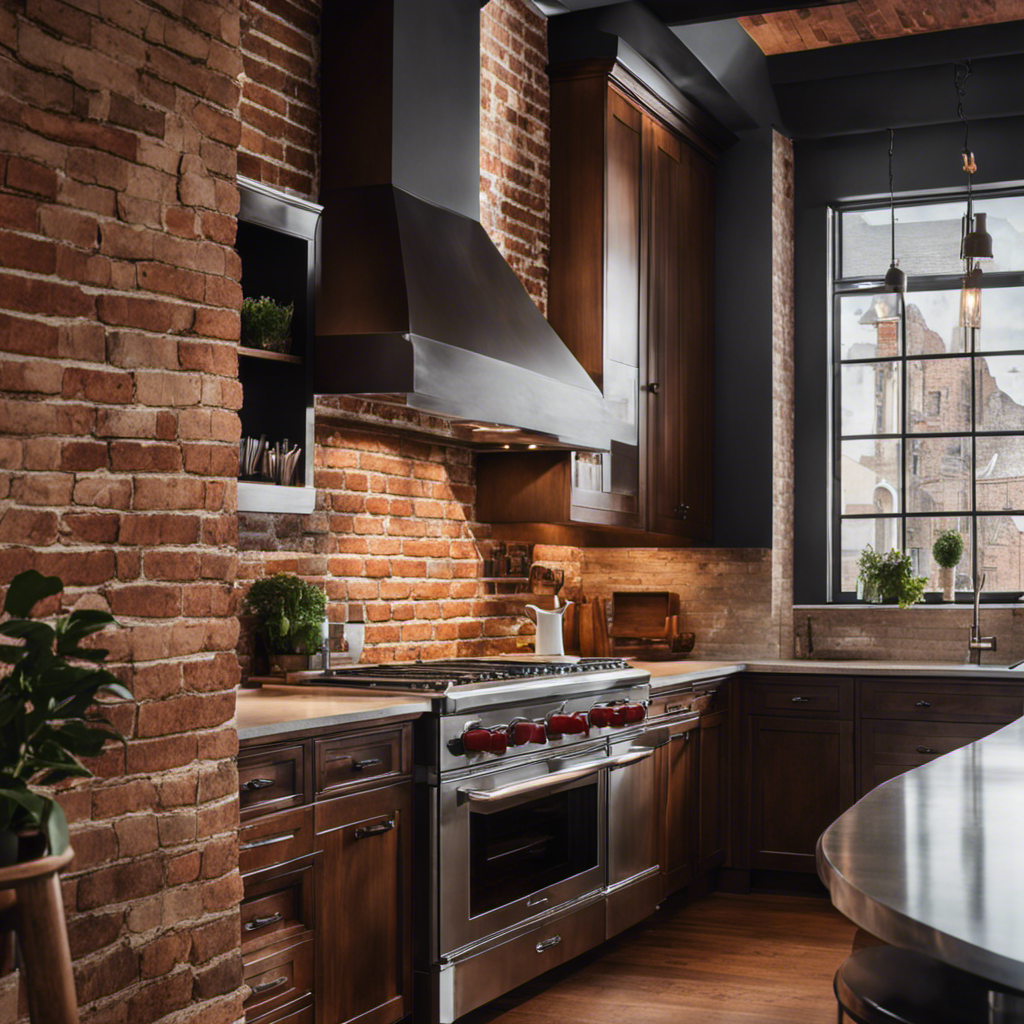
(931, 859)
(687, 672)
(279, 710)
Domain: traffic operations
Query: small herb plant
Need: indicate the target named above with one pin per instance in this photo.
(291, 613)
(49, 718)
(265, 324)
(890, 576)
(948, 549)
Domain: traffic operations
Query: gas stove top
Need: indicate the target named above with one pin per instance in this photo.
(441, 676)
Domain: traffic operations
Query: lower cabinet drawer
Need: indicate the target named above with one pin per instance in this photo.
(275, 839)
(277, 904)
(890, 748)
(478, 979)
(277, 976)
(299, 1011)
(936, 702)
(344, 762)
(807, 696)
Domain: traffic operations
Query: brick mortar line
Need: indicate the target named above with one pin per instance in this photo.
(255, 33)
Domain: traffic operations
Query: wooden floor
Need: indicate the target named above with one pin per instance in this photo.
(724, 959)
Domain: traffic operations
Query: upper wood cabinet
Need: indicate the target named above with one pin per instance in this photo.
(630, 294)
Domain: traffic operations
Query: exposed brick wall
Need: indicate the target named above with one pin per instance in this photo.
(725, 594)
(515, 158)
(783, 395)
(119, 305)
(280, 110)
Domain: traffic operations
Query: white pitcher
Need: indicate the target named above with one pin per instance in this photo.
(549, 629)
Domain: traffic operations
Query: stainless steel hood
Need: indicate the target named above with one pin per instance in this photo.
(416, 305)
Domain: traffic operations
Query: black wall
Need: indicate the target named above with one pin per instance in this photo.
(843, 168)
(743, 343)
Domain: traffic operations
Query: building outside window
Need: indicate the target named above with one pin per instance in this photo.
(928, 417)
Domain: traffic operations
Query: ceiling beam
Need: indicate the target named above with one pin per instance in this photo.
(683, 12)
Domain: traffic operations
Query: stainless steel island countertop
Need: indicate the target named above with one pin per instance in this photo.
(933, 860)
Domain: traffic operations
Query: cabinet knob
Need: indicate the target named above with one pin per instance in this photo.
(682, 511)
(923, 704)
(653, 387)
(927, 750)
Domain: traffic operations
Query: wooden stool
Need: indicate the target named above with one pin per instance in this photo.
(886, 985)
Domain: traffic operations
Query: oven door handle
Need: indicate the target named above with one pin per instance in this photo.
(546, 782)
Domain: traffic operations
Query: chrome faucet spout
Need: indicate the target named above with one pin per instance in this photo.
(978, 643)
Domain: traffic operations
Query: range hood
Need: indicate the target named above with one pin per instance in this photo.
(416, 306)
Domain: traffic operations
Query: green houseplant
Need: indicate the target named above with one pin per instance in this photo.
(49, 717)
(291, 614)
(947, 551)
(889, 577)
(265, 324)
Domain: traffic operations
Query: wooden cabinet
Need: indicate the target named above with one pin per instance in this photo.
(325, 853)
(364, 885)
(801, 781)
(712, 792)
(679, 782)
(631, 295)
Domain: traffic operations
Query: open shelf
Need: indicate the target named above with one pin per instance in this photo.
(278, 357)
(254, 496)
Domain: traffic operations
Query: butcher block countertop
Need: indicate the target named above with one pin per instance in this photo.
(276, 710)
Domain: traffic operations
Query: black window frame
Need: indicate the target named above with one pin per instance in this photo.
(839, 287)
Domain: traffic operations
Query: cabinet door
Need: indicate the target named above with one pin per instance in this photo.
(712, 792)
(679, 390)
(606, 486)
(801, 781)
(678, 846)
(363, 914)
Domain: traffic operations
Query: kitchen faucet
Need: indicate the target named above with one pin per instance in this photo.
(978, 643)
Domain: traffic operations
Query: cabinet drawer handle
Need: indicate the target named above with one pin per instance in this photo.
(369, 762)
(254, 784)
(266, 986)
(654, 387)
(681, 736)
(801, 700)
(923, 704)
(374, 830)
(672, 708)
(927, 750)
(548, 943)
(261, 922)
(682, 511)
(269, 841)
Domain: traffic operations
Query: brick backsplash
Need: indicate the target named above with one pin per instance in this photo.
(119, 300)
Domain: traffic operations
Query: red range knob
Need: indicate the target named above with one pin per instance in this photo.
(528, 732)
(600, 717)
(493, 741)
(634, 712)
(559, 725)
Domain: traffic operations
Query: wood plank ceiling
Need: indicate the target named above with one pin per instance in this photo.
(861, 20)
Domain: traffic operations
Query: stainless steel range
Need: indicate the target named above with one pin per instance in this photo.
(536, 792)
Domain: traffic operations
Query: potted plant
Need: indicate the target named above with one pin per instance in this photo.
(48, 714)
(889, 577)
(265, 324)
(291, 615)
(49, 719)
(947, 551)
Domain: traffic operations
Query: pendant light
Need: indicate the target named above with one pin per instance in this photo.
(975, 241)
(889, 310)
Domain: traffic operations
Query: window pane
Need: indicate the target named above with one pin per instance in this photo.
(1000, 473)
(854, 536)
(1000, 393)
(921, 535)
(1001, 552)
(939, 474)
(932, 324)
(870, 398)
(938, 395)
(864, 330)
(1002, 320)
(870, 474)
(928, 237)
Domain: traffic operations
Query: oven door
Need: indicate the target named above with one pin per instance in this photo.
(519, 842)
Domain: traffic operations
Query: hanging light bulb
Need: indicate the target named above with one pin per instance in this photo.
(895, 279)
(975, 241)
